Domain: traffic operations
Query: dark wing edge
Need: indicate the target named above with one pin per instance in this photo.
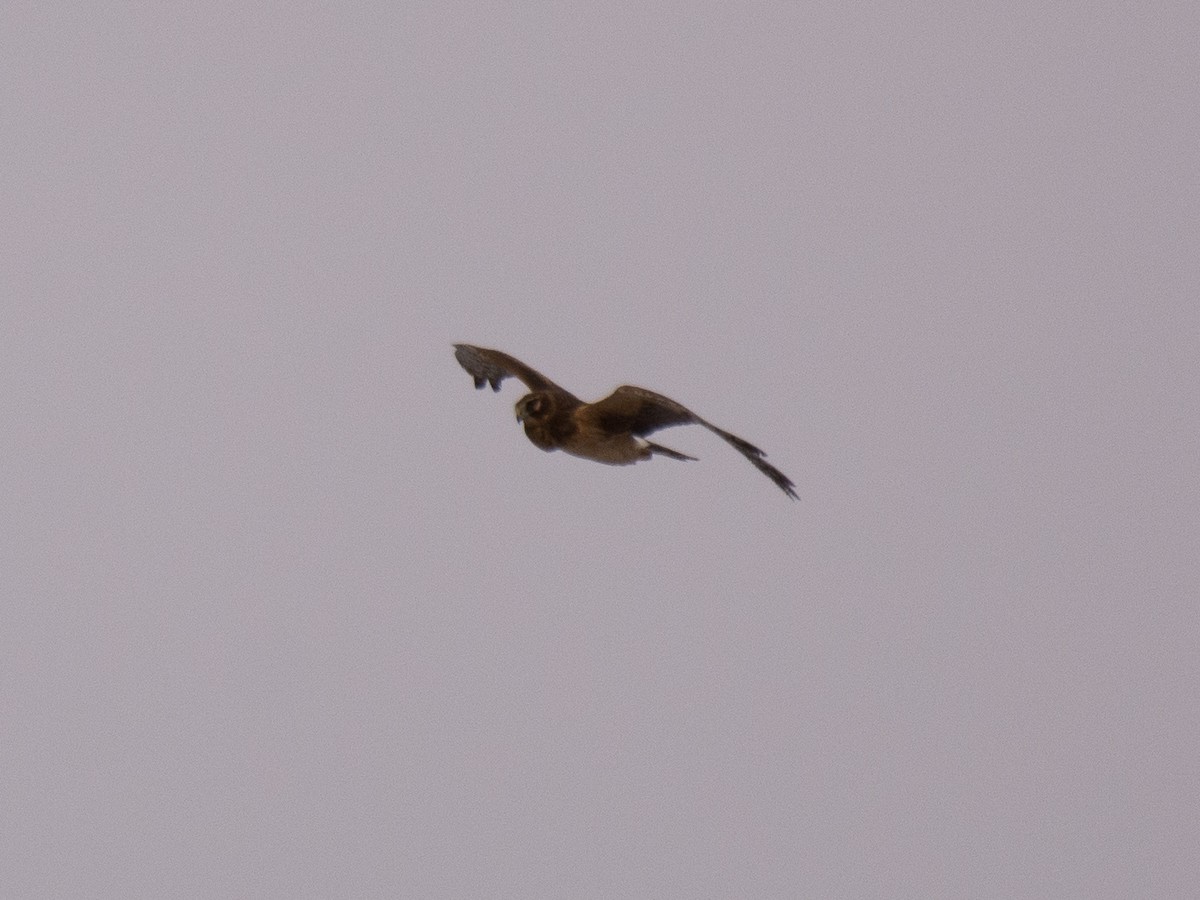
(643, 412)
(492, 367)
(757, 459)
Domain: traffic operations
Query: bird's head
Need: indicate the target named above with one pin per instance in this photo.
(536, 407)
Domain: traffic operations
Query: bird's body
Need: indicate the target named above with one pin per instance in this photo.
(553, 423)
(610, 431)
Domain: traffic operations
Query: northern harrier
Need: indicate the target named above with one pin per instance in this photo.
(611, 430)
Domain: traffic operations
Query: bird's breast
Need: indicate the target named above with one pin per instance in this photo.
(610, 449)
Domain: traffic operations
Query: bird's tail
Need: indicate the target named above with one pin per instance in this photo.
(667, 451)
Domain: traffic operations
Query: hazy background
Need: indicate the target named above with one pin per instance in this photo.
(290, 610)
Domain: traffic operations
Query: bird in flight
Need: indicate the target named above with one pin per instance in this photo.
(612, 430)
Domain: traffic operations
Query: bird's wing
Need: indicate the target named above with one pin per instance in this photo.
(637, 411)
(492, 367)
(641, 412)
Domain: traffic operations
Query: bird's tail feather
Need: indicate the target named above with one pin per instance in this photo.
(667, 451)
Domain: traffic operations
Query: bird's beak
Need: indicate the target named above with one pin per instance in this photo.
(517, 413)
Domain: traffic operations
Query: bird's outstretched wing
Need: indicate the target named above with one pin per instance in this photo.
(492, 367)
(642, 412)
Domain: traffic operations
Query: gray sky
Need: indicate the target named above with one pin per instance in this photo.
(292, 611)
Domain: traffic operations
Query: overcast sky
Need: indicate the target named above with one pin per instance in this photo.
(290, 610)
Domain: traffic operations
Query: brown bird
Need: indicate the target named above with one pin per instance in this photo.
(612, 430)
